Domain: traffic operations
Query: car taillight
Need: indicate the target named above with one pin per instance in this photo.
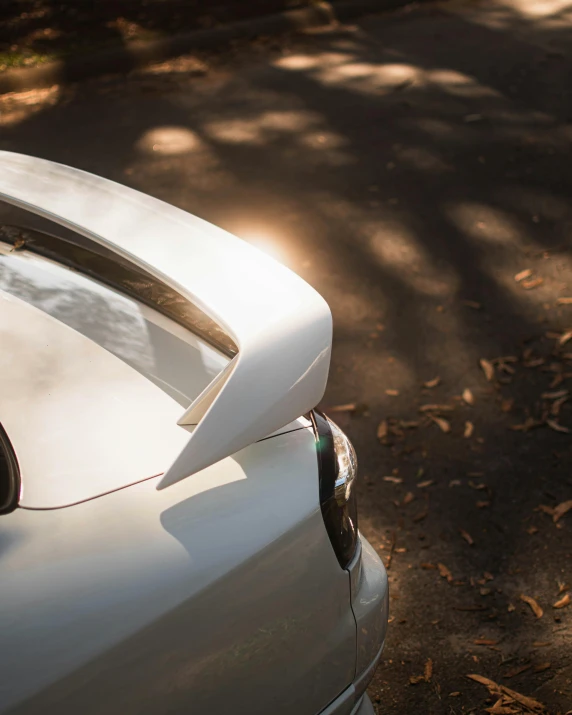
(337, 463)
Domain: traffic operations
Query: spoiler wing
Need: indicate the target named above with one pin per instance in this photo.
(282, 327)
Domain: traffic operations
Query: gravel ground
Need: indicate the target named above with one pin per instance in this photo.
(415, 168)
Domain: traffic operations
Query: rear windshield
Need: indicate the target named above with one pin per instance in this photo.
(124, 276)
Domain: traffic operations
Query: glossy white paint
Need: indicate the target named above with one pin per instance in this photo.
(221, 594)
(282, 326)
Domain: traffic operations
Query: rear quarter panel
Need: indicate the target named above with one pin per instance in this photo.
(220, 594)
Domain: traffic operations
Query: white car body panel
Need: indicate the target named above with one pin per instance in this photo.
(137, 613)
(222, 593)
(282, 327)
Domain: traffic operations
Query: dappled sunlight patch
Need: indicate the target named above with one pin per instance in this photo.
(422, 159)
(168, 140)
(16, 107)
(485, 223)
(260, 129)
(396, 248)
(368, 77)
(459, 84)
(300, 63)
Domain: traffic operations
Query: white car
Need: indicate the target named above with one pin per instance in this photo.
(178, 528)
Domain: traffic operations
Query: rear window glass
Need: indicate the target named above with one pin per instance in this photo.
(124, 276)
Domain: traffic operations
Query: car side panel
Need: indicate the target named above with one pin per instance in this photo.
(220, 594)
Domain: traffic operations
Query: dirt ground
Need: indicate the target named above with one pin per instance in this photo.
(414, 168)
(35, 31)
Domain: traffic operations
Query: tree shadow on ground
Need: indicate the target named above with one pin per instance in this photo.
(32, 31)
(408, 168)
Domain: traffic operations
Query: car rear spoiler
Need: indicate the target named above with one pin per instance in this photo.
(282, 327)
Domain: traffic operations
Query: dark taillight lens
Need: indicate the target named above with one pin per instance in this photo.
(9, 475)
(337, 464)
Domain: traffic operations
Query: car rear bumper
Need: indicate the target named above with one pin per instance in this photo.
(370, 604)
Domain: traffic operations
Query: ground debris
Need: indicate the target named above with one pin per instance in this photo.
(432, 383)
(517, 670)
(408, 498)
(556, 426)
(485, 641)
(559, 511)
(468, 538)
(428, 672)
(382, 430)
(347, 407)
(488, 368)
(436, 408)
(523, 275)
(534, 283)
(445, 573)
(392, 479)
(508, 699)
(564, 300)
(536, 609)
(528, 424)
(443, 424)
(469, 429)
(468, 396)
(562, 602)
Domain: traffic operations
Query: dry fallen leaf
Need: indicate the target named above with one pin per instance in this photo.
(424, 484)
(408, 498)
(562, 602)
(485, 641)
(517, 670)
(469, 429)
(507, 697)
(557, 405)
(564, 301)
(511, 608)
(428, 673)
(559, 511)
(432, 383)
(554, 395)
(394, 480)
(487, 368)
(526, 273)
(414, 679)
(532, 530)
(528, 424)
(443, 424)
(436, 408)
(468, 396)
(563, 587)
(506, 405)
(468, 538)
(534, 283)
(382, 429)
(565, 337)
(444, 572)
(556, 426)
(349, 407)
(541, 667)
(541, 644)
(392, 393)
(536, 609)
